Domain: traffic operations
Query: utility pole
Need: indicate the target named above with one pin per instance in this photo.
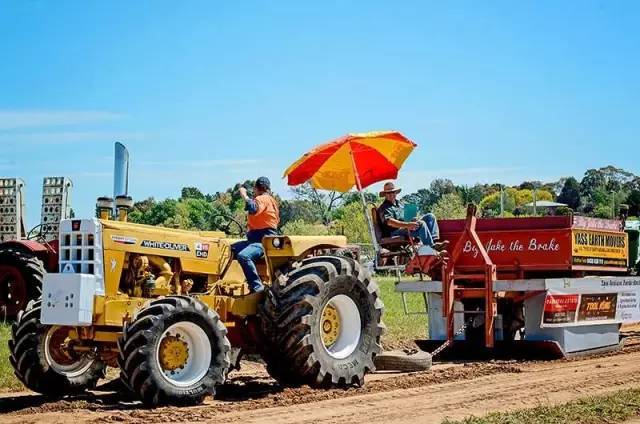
(502, 201)
(613, 205)
(535, 201)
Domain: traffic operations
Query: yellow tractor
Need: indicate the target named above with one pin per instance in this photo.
(171, 309)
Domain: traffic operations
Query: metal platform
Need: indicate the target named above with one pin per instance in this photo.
(547, 334)
(577, 285)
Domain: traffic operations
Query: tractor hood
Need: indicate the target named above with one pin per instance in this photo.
(279, 246)
(169, 232)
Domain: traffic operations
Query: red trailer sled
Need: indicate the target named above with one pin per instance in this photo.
(562, 282)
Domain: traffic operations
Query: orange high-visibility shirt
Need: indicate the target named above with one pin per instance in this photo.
(268, 214)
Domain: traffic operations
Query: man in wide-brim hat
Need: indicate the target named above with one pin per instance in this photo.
(392, 222)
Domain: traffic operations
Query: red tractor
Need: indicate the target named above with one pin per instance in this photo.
(22, 267)
(26, 256)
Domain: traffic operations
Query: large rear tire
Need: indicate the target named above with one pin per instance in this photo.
(175, 351)
(21, 275)
(322, 324)
(41, 362)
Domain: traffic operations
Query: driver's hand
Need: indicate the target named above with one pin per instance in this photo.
(413, 226)
(243, 191)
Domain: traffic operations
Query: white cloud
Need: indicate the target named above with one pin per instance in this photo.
(412, 180)
(12, 119)
(96, 174)
(202, 163)
(452, 172)
(64, 137)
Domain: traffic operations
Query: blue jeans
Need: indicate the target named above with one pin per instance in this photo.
(247, 253)
(427, 231)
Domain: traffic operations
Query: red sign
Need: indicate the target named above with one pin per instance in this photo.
(560, 308)
(540, 248)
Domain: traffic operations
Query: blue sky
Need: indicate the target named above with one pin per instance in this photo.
(211, 93)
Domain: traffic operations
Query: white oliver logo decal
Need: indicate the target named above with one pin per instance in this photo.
(180, 247)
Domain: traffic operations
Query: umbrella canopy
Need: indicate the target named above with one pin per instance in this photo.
(355, 160)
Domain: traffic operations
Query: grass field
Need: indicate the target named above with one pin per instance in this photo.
(401, 330)
(7, 380)
(614, 408)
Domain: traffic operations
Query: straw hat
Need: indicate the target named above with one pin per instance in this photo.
(389, 188)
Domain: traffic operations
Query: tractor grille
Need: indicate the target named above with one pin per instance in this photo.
(81, 248)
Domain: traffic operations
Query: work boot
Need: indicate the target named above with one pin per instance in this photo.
(441, 245)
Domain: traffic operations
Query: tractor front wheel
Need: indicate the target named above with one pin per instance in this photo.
(43, 358)
(175, 351)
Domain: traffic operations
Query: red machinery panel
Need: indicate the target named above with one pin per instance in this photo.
(541, 244)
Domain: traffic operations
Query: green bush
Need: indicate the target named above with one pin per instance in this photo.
(300, 228)
(8, 380)
(353, 224)
(450, 206)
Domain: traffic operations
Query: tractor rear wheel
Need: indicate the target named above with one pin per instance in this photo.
(175, 351)
(21, 277)
(323, 324)
(43, 361)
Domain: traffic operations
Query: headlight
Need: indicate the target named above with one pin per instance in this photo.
(276, 242)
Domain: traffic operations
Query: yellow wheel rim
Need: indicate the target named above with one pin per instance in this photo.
(174, 353)
(330, 325)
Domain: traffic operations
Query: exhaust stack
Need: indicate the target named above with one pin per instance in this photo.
(104, 206)
(121, 171)
(123, 206)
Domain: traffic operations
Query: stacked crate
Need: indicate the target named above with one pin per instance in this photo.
(11, 209)
(56, 205)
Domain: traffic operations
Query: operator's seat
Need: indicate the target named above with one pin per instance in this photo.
(390, 243)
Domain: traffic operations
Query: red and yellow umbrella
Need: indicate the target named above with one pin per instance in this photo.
(353, 160)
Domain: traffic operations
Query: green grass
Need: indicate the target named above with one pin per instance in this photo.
(8, 381)
(401, 329)
(613, 408)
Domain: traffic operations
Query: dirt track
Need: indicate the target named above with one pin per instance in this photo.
(453, 391)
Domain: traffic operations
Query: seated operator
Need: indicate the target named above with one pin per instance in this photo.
(392, 222)
(263, 220)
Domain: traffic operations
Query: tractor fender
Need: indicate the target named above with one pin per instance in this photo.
(30, 246)
(47, 253)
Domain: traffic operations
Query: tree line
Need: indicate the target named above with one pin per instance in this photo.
(599, 193)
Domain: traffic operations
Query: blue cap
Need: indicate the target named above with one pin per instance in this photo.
(263, 183)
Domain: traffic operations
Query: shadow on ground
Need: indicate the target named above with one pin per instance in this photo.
(114, 396)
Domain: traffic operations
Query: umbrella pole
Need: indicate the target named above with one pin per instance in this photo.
(367, 215)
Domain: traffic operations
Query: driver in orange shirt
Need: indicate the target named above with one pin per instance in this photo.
(263, 220)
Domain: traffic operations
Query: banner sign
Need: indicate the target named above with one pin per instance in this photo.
(589, 223)
(565, 310)
(551, 248)
(560, 308)
(598, 307)
(599, 248)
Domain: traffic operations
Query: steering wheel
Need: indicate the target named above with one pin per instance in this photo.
(36, 233)
(230, 221)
